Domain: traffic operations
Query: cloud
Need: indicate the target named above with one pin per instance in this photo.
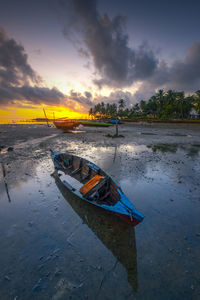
(11, 95)
(30, 94)
(14, 68)
(115, 96)
(117, 65)
(182, 75)
(186, 73)
(19, 83)
(85, 100)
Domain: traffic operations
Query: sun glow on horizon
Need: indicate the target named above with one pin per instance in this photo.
(23, 110)
(14, 114)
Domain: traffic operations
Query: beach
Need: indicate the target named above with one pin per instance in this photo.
(54, 248)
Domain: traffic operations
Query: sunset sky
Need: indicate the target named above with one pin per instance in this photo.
(67, 55)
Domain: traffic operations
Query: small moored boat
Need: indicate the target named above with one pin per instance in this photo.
(90, 183)
(66, 124)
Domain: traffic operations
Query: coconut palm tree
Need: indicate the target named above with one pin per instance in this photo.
(170, 97)
(196, 101)
(180, 99)
(121, 104)
(160, 99)
(91, 113)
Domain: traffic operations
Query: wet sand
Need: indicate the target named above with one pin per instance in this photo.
(54, 247)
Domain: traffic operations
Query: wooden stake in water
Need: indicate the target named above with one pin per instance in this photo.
(46, 117)
(5, 182)
(116, 126)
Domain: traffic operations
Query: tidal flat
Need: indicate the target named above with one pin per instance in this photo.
(53, 246)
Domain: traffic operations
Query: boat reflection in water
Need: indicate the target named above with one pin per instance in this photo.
(115, 234)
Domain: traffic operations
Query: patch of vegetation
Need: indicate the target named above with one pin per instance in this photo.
(164, 148)
(193, 152)
(164, 105)
(114, 135)
(98, 124)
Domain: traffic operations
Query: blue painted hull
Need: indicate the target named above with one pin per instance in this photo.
(122, 208)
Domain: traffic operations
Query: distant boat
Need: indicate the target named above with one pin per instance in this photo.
(91, 184)
(114, 121)
(66, 124)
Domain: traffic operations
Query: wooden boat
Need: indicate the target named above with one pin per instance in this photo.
(112, 232)
(66, 124)
(90, 183)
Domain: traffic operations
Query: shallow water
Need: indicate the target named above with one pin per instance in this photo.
(53, 246)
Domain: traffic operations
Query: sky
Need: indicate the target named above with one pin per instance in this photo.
(67, 55)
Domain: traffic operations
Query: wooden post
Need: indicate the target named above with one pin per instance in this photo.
(116, 123)
(46, 117)
(116, 127)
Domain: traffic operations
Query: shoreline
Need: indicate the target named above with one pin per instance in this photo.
(87, 122)
(144, 133)
(163, 121)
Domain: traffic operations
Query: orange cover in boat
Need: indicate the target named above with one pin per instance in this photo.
(90, 184)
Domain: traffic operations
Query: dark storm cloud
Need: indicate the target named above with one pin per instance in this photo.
(181, 75)
(31, 94)
(18, 81)
(81, 99)
(186, 73)
(14, 68)
(42, 95)
(116, 63)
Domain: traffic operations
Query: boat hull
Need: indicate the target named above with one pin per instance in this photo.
(66, 125)
(122, 208)
(128, 219)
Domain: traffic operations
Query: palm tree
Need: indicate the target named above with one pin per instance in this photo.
(152, 106)
(160, 98)
(136, 108)
(170, 97)
(180, 98)
(102, 108)
(143, 106)
(91, 111)
(121, 104)
(196, 101)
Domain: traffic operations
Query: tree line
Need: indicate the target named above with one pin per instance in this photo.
(163, 105)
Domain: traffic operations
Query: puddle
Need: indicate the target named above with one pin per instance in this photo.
(78, 131)
(73, 131)
(189, 150)
(148, 133)
(177, 134)
(164, 147)
(54, 246)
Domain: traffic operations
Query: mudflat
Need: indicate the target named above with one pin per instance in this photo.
(52, 246)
